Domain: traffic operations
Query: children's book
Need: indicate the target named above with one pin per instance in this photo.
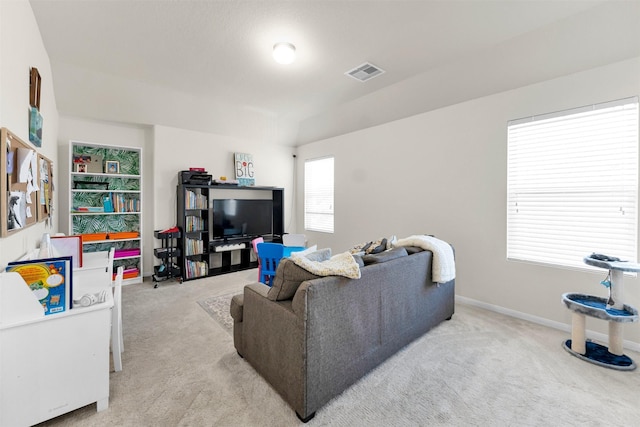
(50, 281)
(68, 246)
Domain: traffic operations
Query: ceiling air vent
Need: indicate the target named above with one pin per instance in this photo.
(365, 72)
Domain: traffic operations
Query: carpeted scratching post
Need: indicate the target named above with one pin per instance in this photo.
(612, 310)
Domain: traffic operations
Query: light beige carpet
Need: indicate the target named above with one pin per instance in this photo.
(479, 369)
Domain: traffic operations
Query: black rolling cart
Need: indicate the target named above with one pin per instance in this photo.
(168, 255)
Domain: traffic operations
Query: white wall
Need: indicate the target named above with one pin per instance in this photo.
(179, 149)
(21, 48)
(444, 173)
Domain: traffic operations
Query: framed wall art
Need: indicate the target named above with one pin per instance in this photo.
(111, 166)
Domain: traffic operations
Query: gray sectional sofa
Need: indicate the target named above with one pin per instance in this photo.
(312, 337)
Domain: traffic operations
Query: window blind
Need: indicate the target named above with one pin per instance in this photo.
(318, 195)
(572, 184)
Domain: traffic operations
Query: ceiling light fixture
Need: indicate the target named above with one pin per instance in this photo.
(284, 53)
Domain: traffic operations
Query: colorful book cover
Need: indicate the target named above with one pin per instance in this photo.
(49, 280)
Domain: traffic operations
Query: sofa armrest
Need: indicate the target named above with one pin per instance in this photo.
(273, 343)
(260, 288)
(299, 302)
(237, 302)
(237, 310)
(237, 305)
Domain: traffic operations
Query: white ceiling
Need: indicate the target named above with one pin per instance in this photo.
(107, 56)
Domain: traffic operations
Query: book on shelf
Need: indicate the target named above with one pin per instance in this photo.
(196, 269)
(194, 247)
(120, 203)
(195, 200)
(194, 223)
(50, 281)
(128, 273)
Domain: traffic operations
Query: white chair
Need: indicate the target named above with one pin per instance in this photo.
(298, 240)
(117, 343)
(112, 284)
(111, 255)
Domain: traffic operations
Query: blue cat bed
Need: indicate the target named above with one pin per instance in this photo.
(599, 355)
(597, 307)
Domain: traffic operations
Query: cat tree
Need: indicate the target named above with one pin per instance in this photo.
(611, 309)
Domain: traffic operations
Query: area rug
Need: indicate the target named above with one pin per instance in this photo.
(218, 309)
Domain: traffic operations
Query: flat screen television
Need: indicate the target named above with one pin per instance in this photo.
(241, 217)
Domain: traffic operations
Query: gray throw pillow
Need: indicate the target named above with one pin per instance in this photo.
(287, 280)
(319, 255)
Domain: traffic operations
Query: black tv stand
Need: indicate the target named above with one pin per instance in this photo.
(226, 249)
(214, 256)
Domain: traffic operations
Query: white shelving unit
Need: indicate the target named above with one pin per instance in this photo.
(90, 185)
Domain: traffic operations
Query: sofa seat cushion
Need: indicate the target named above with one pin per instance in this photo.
(384, 256)
(287, 280)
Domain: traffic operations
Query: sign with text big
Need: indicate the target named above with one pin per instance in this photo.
(243, 165)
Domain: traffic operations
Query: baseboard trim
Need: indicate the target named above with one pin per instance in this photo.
(595, 336)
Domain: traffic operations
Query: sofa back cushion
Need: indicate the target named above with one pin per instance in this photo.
(287, 280)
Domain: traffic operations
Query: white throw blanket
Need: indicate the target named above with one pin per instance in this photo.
(338, 265)
(443, 266)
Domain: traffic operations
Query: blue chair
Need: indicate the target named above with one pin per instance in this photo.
(270, 255)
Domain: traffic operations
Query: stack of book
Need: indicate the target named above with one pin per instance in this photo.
(194, 223)
(196, 269)
(194, 200)
(122, 204)
(129, 273)
(126, 253)
(194, 247)
(91, 209)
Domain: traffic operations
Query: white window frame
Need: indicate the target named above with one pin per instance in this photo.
(319, 194)
(572, 185)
